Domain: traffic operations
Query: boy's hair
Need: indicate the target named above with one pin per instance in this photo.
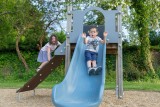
(50, 39)
(94, 27)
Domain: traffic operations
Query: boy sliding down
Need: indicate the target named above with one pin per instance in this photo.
(91, 52)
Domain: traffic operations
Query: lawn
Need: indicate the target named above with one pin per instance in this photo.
(137, 85)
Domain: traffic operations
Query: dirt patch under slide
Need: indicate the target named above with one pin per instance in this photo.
(42, 98)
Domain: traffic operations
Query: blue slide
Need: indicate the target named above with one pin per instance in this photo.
(78, 89)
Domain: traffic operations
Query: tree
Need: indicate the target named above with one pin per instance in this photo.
(54, 13)
(139, 17)
(142, 22)
(21, 18)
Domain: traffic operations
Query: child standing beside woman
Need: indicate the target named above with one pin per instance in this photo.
(44, 55)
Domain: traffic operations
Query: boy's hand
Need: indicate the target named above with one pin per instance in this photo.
(105, 34)
(83, 35)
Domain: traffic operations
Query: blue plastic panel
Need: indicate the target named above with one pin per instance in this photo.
(110, 23)
(61, 49)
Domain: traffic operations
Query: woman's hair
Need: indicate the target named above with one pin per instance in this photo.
(56, 39)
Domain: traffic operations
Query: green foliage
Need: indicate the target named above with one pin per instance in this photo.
(154, 38)
(155, 48)
(23, 15)
(141, 18)
(19, 17)
(130, 63)
(54, 13)
(61, 36)
(57, 75)
(94, 18)
(12, 69)
(111, 67)
(132, 67)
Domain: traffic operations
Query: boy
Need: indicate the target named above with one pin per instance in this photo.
(91, 52)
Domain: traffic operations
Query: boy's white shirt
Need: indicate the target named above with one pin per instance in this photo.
(52, 47)
(93, 43)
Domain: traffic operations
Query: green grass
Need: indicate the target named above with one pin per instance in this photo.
(10, 84)
(157, 48)
(14, 84)
(138, 85)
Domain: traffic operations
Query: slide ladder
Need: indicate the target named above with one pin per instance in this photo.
(42, 74)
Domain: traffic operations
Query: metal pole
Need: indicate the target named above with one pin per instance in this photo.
(18, 96)
(120, 63)
(69, 23)
(34, 92)
(117, 75)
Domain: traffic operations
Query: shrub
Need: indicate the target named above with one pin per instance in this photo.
(154, 38)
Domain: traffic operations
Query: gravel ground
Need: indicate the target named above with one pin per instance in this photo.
(8, 98)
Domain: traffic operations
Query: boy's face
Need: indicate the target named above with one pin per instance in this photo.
(93, 32)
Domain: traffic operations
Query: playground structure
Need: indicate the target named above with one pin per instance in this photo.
(78, 89)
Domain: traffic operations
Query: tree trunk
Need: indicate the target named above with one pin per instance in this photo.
(142, 24)
(39, 45)
(41, 40)
(44, 33)
(19, 53)
(145, 53)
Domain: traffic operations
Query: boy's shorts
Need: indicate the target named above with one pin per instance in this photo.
(90, 55)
